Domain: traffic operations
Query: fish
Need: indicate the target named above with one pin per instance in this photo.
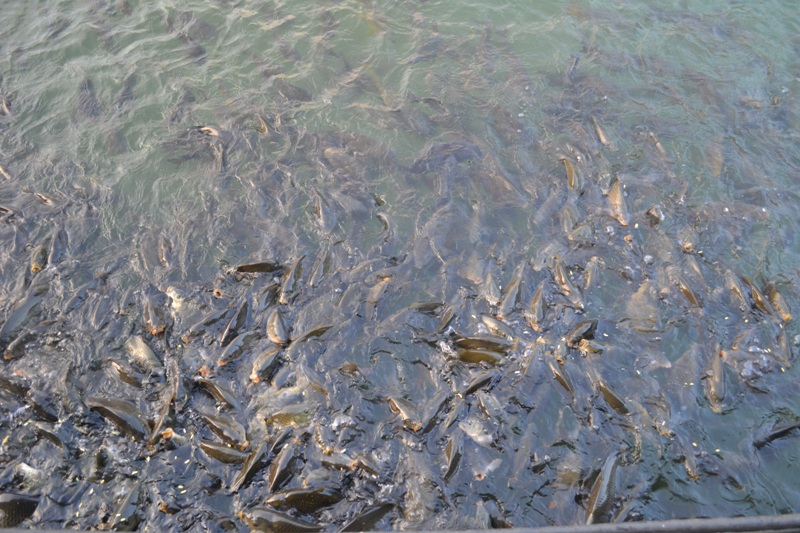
(154, 313)
(715, 381)
(759, 301)
(490, 405)
(235, 324)
(223, 452)
(603, 493)
(601, 135)
(316, 331)
(686, 288)
(511, 293)
(16, 508)
(204, 324)
(289, 282)
(609, 395)
(497, 327)
(237, 347)
(479, 431)
(126, 374)
(169, 395)
(266, 364)
(368, 517)
(290, 91)
(126, 516)
(537, 308)
(88, 105)
(779, 304)
(58, 245)
(265, 519)
(589, 347)
(619, 203)
(125, 95)
(263, 266)
(476, 356)
(165, 253)
(102, 313)
(486, 342)
(563, 280)
(221, 393)
(575, 178)
(276, 329)
(280, 469)
(561, 375)
(452, 452)
(255, 462)
(5, 105)
(23, 311)
(141, 353)
(447, 315)
(326, 214)
(227, 428)
(775, 433)
(38, 258)
(408, 412)
(583, 330)
(320, 267)
(122, 413)
(305, 500)
(15, 385)
(32, 478)
(489, 289)
(480, 380)
(437, 155)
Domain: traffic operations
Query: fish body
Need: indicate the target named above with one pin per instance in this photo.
(601, 498)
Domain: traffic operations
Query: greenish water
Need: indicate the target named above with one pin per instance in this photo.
(407, 151)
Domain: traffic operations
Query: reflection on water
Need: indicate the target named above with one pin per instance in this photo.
(421, 265)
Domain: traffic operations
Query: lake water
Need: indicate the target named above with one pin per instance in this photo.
(536, 262)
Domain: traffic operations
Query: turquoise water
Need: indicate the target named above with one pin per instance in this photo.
(414, 151)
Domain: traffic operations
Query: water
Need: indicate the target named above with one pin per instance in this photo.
(404, 153)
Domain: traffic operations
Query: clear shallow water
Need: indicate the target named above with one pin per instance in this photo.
(416, 152)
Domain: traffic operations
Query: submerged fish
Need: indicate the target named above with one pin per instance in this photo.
(265, 519)
(604, 491)
(38, 258)
(15, 509)
(436, 156)
(141, 353)
(122, 413)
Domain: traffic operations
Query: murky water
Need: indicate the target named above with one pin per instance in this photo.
(397, 265)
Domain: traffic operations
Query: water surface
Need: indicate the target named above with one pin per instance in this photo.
(416, 171)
